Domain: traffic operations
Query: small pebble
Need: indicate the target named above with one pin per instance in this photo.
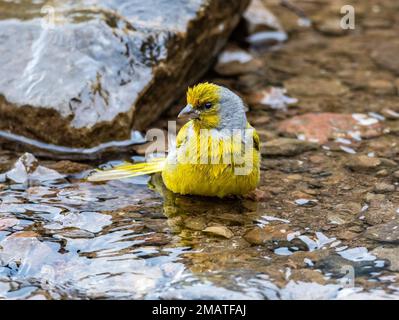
(382, 173)
(384, 187)
(219, 231)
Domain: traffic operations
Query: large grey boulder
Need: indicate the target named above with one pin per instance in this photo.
(85, 72)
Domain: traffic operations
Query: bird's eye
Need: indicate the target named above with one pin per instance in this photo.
(208, 105)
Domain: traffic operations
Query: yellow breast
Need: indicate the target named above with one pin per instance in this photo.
(212, 164)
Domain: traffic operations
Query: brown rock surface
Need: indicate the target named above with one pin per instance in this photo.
(104, 69)
(325, 126)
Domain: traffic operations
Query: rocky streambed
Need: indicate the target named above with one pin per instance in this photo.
(323, 223)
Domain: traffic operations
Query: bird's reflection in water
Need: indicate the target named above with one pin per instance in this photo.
(213, 256)
(194, 213)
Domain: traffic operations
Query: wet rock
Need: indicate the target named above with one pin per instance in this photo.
(339, 218)
(286, 147)
(27, 169)
(349, 208)
(363, 163)
(339, 266)
(258, 18)
(381, 87)
(347, 235)
(388, 163)
(235, 61)
(195, 223)
(390, 113)
(383, 148)
(322, 127)
(312, 87)
(269, 234)
(316, 242)
(382, 173)
(390, 254)
(219, 231)
(175, 223)
(305, 202)
(317, 159)
(257, 236)
(379, 212)
(273, 97)
(311, 192)
(155, 239)
(308, 275)
(259, 195)
(387, 232)
(370, 196)
(384, 187)
(274, 236)
(266, 39)
(276, 190)
(24, 234)
(77, 234)
(307, 258)
(385, 55)
(357, 254)
(69, 167)
(105, 68)
(356, 228)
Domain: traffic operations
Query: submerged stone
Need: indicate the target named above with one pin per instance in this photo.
(385, 56)
(85, 74)
(390, 254)
(380, 211)
(364, 163)
(27, 168)
(286, 147)
(339, 266)
(221, 231)
(384, 187)
(387, 232)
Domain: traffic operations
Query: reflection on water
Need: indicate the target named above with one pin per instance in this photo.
(67, 238)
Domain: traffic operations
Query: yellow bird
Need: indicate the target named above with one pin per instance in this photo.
(216, 152)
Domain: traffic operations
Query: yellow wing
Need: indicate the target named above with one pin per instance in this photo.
(128, 170)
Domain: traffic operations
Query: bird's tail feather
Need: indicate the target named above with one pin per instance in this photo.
(128, 170)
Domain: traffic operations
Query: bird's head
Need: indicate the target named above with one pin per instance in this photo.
(214, 107)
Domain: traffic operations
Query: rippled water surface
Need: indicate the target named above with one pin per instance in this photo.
(67, 238)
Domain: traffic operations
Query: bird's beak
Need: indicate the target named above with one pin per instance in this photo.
(189, 112)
